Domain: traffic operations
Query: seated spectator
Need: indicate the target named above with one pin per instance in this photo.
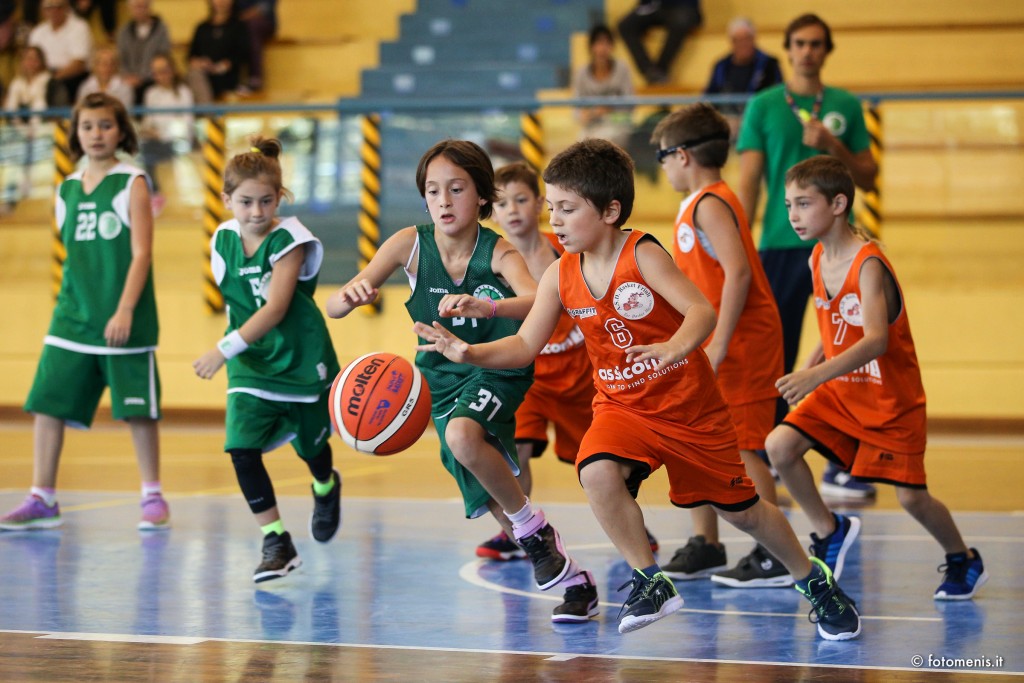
(66, 41)
(143, 37)
(108, 14)
(677, 17)
(604, 76)
(744, 70)
(218, 50)
(260, 17)
(164, 135)
(104, 78)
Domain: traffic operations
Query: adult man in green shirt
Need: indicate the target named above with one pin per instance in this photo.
(784, 125)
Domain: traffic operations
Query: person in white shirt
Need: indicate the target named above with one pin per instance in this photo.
(66, 40)
(164, 135)
(105, 78)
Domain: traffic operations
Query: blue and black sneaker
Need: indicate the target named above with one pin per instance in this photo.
(649, 600)
(833, 548)
(963, 576)
(832, 610)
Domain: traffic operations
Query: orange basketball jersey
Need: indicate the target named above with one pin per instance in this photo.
(563, 362)
(882, 403)
(683, 396)
(753, 361)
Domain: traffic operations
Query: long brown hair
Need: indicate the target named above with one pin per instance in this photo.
(129, 142)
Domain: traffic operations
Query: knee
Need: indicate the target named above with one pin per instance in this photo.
(598, 477)
(246, 460)
(914, 501)
(782, 448)
(464, 438)
(744, 520)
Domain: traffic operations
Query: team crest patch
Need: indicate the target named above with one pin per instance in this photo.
(265, 285)
(487, 292)
(685, 238)
(849, 308)
(633, 300)
(835, 123)
(109, 225)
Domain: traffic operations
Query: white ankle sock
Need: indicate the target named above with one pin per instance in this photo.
(48, 496)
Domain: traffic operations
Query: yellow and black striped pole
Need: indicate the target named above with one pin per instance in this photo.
(531, 141)
(870, 215)
(369, 199)
(63, 166)
(213, 206)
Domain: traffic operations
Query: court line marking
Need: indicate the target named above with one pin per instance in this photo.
(466, 573)
(556, 656)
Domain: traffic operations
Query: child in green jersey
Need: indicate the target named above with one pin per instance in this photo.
(278, 352)
(104, 327)
(467, 278)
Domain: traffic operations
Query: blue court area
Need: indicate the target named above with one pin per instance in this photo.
(402, 575)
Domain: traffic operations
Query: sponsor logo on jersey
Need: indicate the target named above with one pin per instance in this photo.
(134, 401)
(366, 373)
(849, 308)
(573, 340)
(633, 300)
(487, 292)
(821, 303)
(86, 206)
(685, 238)
(868, 370)
(265, 285)
(250, 270)
(109, 225)
(639, 372)
(438, 290)
(834, 122)
(588, 312)
(321, 371)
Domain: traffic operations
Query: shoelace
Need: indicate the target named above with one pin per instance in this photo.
(830, 602)
(535, 547)
(954, 572)
(639, 591)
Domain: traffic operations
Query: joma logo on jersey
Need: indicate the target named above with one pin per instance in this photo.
(367, 372)
(581, 313)
(250, 270)
(438, 290)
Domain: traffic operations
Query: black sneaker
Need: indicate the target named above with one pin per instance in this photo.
(501, 548)
(580, 601)
(279, 557)
(326, 518)
(546, 552)
(648, 601)
(832, 610)
(759, 569)
(695, 560)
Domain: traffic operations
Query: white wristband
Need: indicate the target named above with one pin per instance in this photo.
(232, 345)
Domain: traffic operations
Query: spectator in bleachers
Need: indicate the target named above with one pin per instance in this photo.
(677, 17)
(260, 17)
(219, 47)
(8, 24)
(744, 70)
(604, 76)
(164, 135)
(143, 37)
(104, 78)
(66, 41)
(108, 14)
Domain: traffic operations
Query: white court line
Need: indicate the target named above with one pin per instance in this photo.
(553, 656)
(467, 573)
(125, 638)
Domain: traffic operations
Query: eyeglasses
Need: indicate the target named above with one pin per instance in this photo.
(663, 154)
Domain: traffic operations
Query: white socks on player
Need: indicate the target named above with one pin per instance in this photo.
(151, 488)
(48, 496)
(526, 521)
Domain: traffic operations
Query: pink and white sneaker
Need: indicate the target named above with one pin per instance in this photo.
(33, 513)
(156, 515)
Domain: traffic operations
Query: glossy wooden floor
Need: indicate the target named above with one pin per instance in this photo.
(398, 595)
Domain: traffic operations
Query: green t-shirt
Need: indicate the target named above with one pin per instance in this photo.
(98, 240)
(771, 127)
(294, 361)
(444, 377)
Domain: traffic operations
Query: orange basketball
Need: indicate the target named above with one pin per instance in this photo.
(380, 404)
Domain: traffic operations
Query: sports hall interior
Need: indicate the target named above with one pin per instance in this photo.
(399, 595)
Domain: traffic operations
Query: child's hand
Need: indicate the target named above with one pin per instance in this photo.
(662, 354)
(716, 354)
(441, 340)
(207, 365)
(464, 306)
(118, 328)
(816, 135)
(358, 293)
(796, 385)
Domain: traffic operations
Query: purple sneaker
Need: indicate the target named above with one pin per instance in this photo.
(155, 513)
(33, 513)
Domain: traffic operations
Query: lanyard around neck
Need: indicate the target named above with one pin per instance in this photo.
(803, 115)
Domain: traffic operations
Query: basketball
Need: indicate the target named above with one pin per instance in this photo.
(380, 404)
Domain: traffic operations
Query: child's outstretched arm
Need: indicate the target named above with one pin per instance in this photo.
(875, 313)
(514, 351)
(661, 273)
(510, 265)
(364, 287)
(140, 218)
(279, 298)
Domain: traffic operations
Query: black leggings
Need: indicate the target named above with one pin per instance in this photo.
(254, 480)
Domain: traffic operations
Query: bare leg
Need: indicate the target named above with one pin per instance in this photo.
(146, 439)
(770, 528)
(267, 516)
(465, 437)
(761, 475)
(525, 477)
(619, 515)
(786, 449)
(48, 442)
(705, 523)
(934, 516)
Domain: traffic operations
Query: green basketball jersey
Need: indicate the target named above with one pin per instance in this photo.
(295, 360)
(444, 377)
(97, 238)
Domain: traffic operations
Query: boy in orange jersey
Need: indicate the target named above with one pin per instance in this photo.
(862, 403)
(713, 247)
(657, 400)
